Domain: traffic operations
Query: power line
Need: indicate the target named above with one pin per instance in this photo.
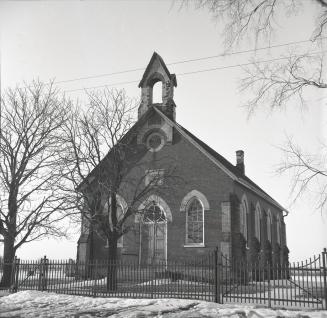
(96, 76)
(93, 87)
(242, 52)
(192, 72)
(186, 61)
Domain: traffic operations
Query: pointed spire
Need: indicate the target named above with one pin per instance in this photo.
(157, 71)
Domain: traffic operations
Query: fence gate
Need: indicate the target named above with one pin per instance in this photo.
(298, 284)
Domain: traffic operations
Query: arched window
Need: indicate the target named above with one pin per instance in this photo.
(244, 218)
(194, 223)
(257, 219)
(279, 225)
(194, 194)
(148, 203)
(153, 214)
(121, 209)
(269, 225)
(157, 92)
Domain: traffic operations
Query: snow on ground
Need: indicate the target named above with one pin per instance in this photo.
(42, 304)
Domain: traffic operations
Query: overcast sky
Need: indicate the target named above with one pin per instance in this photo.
(68, 40)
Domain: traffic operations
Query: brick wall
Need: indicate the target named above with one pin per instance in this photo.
(263, 250)
(196, 172)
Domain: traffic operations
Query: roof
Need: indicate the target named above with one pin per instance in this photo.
(223, 163)
(214, 156)
(156, 56)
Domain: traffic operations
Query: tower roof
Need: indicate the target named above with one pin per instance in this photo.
(156, 58)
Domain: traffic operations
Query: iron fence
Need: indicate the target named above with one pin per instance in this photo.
(298, 284)
(211, 278)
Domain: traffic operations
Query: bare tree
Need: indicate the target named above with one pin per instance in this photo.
(103, 153)
(257, 19)
(309, 172)
(92, 133)
(31, 203)
(273, 85)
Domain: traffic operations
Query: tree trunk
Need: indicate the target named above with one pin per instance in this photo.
(112, 249)
(8, 258)
(112, 266)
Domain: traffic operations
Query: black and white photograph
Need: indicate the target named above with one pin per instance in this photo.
(163, 158)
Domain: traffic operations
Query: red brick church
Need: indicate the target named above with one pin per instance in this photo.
(217, 205)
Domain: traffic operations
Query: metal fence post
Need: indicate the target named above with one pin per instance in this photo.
(152, 277)
(324, 264)
(43, 274)
(269, 285)
(40, 275)
(215, 273)
(217, 280)
(219, 276)
(95, 278)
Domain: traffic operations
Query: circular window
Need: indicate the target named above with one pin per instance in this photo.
(155, 142)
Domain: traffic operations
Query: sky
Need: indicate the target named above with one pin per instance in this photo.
(69, 40)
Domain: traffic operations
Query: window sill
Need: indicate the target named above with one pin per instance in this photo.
(194, 245)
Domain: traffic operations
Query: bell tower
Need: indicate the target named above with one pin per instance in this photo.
(157, 71)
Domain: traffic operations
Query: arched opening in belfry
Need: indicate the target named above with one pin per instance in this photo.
(157, 92)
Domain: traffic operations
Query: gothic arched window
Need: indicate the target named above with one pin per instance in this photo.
(153, 214)
(279, 225)
(194, 222)
(244, 218)
(257, 226)
(121, 209)
(269, 225)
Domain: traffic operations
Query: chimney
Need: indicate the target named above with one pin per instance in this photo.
(240, 161)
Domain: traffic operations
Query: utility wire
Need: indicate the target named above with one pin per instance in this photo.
(93, 87)
(186, 61)
(192, 72)
(242, 52)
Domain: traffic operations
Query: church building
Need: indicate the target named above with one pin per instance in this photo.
(215, 205)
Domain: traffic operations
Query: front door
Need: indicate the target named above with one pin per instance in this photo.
(154, 234)
(157, 243)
